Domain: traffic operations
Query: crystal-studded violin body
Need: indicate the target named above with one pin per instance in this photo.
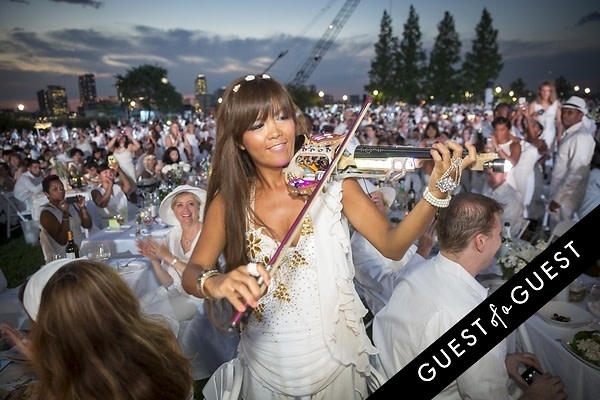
(310, 162)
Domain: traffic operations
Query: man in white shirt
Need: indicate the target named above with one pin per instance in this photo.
(29, 184)
(376, 275)
(431, 299)
(572, 162)
(500, 190)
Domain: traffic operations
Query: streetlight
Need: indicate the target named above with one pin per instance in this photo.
(587, 90)
(498, 89)
(375, 93)
(164, 80)
(576, 88)
(21, 107)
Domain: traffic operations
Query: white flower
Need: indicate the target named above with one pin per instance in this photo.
(187, 167)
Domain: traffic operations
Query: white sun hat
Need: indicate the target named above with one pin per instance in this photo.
(35, 285)
(165, 212)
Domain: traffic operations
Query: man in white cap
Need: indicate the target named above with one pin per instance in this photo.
(572, 162)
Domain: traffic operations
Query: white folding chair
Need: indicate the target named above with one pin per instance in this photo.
(13, 213)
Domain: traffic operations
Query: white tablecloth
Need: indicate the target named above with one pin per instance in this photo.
(537, 336)
(121, 241)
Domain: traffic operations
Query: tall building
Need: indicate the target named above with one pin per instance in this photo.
(200, 85)
(202, 100)
(87, 90)
(57, 101)
(43, 104)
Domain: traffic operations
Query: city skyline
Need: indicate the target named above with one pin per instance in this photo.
(52, 42)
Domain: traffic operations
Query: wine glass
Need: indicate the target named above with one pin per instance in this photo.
(147, 219)
(103, 252)
(120, 220)
(593, 302)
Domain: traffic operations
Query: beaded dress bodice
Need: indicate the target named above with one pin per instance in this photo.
(292, 299)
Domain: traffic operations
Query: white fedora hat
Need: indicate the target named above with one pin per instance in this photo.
(389, 194)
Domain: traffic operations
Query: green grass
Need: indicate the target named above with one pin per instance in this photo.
(18, 259)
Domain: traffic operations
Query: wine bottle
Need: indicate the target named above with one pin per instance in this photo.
(508, 245)
(71, 250)
(412, 196)
(401, 197)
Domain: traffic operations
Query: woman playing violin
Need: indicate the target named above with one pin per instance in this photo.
(305, 336)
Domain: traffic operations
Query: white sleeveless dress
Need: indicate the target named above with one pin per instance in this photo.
(306, 339)
(548, 120)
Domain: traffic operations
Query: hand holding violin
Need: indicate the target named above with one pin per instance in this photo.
(239, 286)
(449, 163)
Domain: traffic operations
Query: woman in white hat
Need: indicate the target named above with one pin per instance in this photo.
(208, 348)
(183, 209)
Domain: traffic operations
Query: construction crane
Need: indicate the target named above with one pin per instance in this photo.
(309, 65)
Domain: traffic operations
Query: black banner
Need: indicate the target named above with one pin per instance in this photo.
(500, 314)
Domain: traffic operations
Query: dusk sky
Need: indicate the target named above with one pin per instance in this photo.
(51, 42)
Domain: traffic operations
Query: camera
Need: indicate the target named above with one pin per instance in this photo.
(71, 200)
(530, 374)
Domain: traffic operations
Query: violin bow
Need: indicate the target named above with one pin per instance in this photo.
(277, 257)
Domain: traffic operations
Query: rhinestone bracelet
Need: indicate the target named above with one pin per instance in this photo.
(434, 201)
(202, 280)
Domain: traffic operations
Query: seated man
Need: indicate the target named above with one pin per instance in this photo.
(500, 190)
(444, 289)
(29, 184)
(375, 275)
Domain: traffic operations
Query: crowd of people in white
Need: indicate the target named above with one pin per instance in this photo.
(554, 172)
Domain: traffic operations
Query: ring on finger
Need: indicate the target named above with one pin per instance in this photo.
(252, 269)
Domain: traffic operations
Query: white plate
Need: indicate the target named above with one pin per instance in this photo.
(566, 342)
(155, 232)
(492, 284)
(119, 229)
(578, 317)
(132, 267)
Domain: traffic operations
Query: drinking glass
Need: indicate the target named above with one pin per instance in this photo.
(120, 219)
(103, 252)
(147, 219)
(593, 301)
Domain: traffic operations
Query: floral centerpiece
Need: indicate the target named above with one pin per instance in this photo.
(176, 173)
(173, 176)
(518, 256)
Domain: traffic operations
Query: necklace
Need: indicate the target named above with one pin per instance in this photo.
(185, 242)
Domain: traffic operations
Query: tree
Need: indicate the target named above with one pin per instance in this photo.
(410, 61)
(442, 76)
(303, 96)
(483, 63)
(149, 87)
(518, 87)
(563, 87)
(381, 73)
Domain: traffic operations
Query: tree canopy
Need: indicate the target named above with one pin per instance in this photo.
(150, 88)
(484, 62)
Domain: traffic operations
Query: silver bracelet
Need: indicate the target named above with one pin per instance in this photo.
(202, 281)
(434, 201)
